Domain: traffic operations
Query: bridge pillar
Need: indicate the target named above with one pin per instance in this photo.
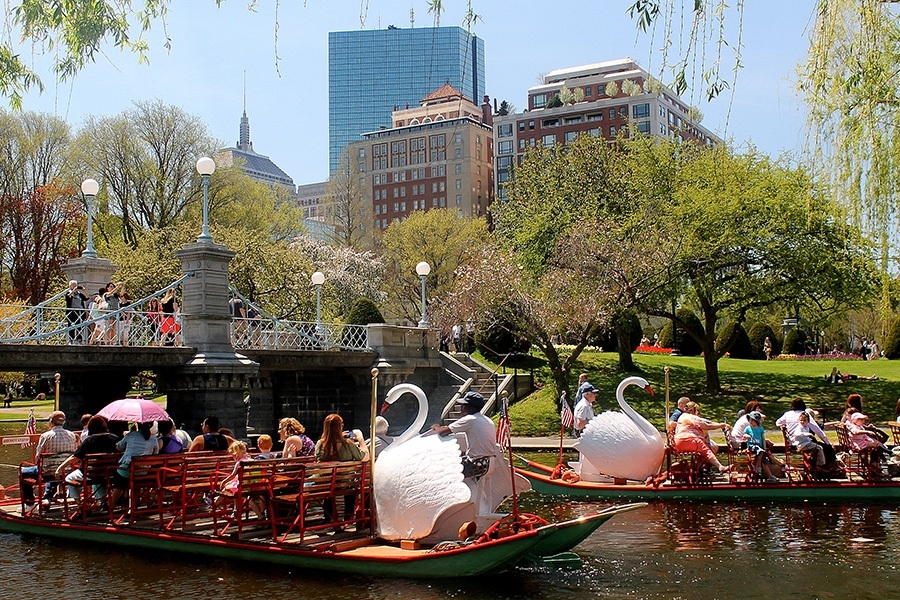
(92, 273)
(215, 380)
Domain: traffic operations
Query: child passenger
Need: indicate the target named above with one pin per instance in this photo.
(264, 444)
(231, 484)
(803, 440)
(756, 445)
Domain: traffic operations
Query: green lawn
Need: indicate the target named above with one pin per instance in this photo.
(774, 383)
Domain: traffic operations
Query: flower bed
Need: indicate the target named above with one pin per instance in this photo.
(830, 356)
(653, 350)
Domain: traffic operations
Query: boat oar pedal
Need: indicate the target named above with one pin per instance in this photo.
(620, 481)
(410, 545)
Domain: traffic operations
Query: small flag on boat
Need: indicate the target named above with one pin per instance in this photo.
(503, 424)
(565, 416)
(30, 429)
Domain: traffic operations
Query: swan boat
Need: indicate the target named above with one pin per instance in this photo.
(836, 490)
(624, 453)
(177, 505)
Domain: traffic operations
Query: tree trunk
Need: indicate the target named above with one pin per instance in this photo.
(623, 333)
(708, 344)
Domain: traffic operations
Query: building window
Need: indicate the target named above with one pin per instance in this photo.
(549, 122)
(505, 147)
(396, 193)
(457, 153)
(601, 89)
(530, 124)
(644, 127)
(457, 138)
(403, 192)
(504, 161)
(459, 184)
(539, 100)
(502, 176)
(403, 207)
(572, 120)
(504, 130)
(459, 200)
(612, 131)
(396, 206)
(571, 135)
(595, 117)
(587, 91)
(521, 125)
(640, 111)
(362, 153)
(623, 111)
(548, 140)
(522, 144)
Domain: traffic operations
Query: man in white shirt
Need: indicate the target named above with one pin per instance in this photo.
(584, 409)
(481, 435)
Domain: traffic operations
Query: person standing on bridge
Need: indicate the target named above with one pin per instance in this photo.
(76, 302)
(238, 317)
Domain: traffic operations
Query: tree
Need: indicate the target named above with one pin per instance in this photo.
(39, 215)
(577, 246)
(755, 232)
(347, 205)
(145, 161)
(440, 238)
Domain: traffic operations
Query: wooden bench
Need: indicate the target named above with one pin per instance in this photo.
(861, 463)
(323, 482)
(252, 484)
(895, 432)
(144, 484)
(183, 489)
(93, 489)
(46, 465)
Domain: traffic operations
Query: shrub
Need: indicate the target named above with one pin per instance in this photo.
(364, 311)
(758, 334)
(795, 341)
(740, 347)
(892, 342)
(685, 344)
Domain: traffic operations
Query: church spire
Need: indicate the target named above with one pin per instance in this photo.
(244, 142)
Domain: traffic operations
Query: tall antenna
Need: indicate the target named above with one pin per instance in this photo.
(412, 17)
(245, 92)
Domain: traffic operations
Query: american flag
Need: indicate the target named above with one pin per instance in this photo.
(30, 429)
(503, 425)
(565, 415)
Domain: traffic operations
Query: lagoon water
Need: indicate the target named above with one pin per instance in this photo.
(683, 550)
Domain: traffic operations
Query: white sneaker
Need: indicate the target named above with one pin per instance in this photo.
(29, 506)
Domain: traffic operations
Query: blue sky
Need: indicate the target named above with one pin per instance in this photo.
(288, 107)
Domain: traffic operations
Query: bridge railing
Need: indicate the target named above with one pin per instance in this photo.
(279, 334)
(61, 326)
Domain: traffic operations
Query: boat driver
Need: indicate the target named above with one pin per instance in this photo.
(480, 433)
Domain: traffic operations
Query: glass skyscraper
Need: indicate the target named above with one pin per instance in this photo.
(372, 71)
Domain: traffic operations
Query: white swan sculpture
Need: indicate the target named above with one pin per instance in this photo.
(623, 444)
(418, 484)
(416, 479)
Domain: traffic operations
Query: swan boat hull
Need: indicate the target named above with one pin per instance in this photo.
(367, 556)
(833, 491)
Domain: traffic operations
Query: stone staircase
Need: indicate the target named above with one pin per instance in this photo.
(473, 376)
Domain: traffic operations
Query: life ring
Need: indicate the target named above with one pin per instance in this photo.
(511, 525)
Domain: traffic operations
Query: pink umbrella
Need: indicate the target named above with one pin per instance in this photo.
(135, 410)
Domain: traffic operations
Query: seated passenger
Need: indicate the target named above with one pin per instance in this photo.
(264, 445)
(169, 442)
(737, 439)
(231, 484)
(137, 442)
(382, 439)
(691, 436)
(803, 439)
(673, 418)
(863, 439)
(211, 438)
(296, 442)
(57, 440)
(755, 436)
(98, 441)
(335, 444)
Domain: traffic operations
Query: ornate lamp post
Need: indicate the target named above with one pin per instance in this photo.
(318, 278)
(422, 270)
(90, 187)
(206, 167)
